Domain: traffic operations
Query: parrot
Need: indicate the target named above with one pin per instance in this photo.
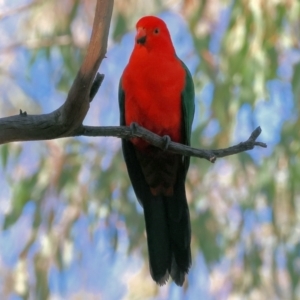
(156, 91)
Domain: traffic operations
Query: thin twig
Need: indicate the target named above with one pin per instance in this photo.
(156, 140)
(96, 85)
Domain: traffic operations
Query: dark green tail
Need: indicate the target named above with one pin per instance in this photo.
(167, 223)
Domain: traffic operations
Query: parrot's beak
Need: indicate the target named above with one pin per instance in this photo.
(141, 36)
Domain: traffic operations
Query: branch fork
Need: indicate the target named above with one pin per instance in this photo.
(67, 120)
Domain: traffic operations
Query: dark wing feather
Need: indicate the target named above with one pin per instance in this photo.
(188, 109)
(154, 209)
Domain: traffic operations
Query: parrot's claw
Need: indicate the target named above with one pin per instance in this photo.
(167, 141)
(133, 128)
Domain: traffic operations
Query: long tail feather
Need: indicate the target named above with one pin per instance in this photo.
(179, 232)
(167, 223)
(158, 239)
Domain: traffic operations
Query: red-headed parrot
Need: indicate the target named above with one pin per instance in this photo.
(157, 92)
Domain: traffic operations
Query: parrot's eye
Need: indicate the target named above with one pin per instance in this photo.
(156, 31)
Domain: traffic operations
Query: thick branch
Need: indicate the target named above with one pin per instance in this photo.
(70, 115)
(156, 140)
(77, 105)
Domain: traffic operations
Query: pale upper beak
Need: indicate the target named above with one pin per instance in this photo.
(141, 36)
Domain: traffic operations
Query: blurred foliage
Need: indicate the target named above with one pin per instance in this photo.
(245, 210)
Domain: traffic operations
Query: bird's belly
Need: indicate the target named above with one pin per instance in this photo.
(153, 96)
(162, 116)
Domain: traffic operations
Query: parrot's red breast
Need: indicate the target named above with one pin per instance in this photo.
(153, 82)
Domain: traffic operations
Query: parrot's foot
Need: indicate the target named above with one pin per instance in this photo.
(167, 141)
(133, 127)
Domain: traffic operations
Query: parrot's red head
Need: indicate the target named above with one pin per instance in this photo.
(152, 32)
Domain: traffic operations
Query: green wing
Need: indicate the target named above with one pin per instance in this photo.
(188, 109)
(137, 178)
(121, 103)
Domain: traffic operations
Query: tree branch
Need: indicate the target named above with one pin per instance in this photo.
(69, 116)
(158, 141)
(67, 120)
